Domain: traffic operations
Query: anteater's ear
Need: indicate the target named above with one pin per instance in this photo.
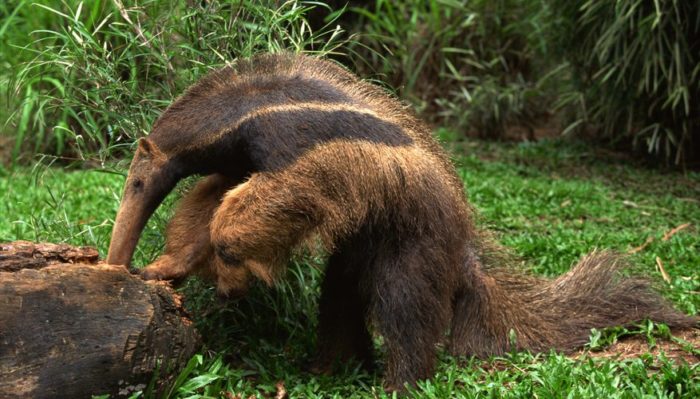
(149, 149)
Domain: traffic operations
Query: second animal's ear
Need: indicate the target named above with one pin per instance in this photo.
(149, 149)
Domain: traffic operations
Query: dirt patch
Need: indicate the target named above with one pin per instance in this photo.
(635, 346)
(6, 144)
(683, 349)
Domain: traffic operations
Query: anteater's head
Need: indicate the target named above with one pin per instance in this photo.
(152, 176)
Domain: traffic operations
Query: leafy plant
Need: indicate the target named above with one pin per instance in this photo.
(635, 71)
(101, 71)
(467, 64)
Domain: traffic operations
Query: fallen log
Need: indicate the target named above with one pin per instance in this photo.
(71, 328)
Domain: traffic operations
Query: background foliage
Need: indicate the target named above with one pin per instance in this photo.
(626, 73)
(81, 80)
(634, 71)
(473, 65)
(84, 79)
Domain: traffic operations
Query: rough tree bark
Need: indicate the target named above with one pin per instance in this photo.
(72, 328)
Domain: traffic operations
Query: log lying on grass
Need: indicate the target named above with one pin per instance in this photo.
(72, 328)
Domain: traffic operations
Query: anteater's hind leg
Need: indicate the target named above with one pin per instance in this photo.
(474, 305)
(411, 310)
(342, 330)
(187, 245)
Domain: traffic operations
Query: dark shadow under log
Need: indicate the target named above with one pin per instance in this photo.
(76, 329)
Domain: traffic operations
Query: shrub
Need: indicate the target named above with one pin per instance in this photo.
(97, 73)
(468, 64)
(635, 71)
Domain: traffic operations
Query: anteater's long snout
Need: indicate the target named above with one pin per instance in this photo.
(131, 219)
(151, 177)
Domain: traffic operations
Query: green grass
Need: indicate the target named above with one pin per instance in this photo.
(550, 202)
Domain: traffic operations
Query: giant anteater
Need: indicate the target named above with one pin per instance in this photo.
(298, 152)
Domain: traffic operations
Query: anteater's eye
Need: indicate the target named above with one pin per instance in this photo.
(137, 184)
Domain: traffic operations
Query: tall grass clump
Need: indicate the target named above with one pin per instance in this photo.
(473, 65)
(94, 74)
(635, 68)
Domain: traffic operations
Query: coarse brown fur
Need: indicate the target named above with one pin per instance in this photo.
(298, 151)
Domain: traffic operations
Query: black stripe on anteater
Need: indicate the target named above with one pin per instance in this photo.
(197, 115)
(272, 141)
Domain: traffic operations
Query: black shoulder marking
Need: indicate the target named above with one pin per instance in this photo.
(192, 120)
(276, 140)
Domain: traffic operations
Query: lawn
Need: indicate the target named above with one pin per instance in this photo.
(549, 202)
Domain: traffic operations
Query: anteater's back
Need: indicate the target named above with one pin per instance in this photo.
(291, 86)
(299, 116)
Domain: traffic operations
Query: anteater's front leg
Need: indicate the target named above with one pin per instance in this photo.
(188, 247)
(253, 232)
(342, 325)
(257, 226)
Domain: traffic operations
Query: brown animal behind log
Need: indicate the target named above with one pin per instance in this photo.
(297, 150)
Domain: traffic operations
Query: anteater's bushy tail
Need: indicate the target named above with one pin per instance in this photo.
(554, 314)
